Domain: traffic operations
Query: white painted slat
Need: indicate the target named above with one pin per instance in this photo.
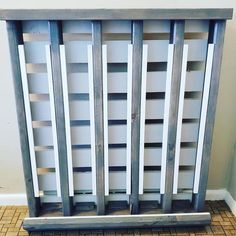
(82, 135)
(180, 118)
(43, 136)
(78, 82)
(53, 118)
(81, 157)
(142, 117)
(45, 159)
(38, 83)
(47, 182)
(83, 181)
(67, 118)
(117, 51)
(150, 177)
(40, 111)
(76, 51)
(129, 120)
(157, 50)
(166, 116)
(196, 49)
(92, 122)
(205, 97)
(117, 180)
(34, 52)
(105, 118)
(28, 119)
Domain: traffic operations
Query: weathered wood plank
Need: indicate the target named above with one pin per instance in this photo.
(115, 14)
(137, 41)
(98, 112)
(176, 38)
(15, 38)
(115, 221)
(55, 41)
(216, 36)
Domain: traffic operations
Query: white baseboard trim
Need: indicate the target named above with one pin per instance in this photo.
(230, 202)
(18, 199)
(211, 195)
(216, 194)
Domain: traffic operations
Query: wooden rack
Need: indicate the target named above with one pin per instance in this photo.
(116, 112)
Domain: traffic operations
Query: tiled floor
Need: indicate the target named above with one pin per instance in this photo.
(223, 223)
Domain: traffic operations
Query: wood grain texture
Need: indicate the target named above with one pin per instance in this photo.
(115, 222)
(55, 41)
(176, 38)
(115, 14)
(137, 41)
(216, 36)
(14, 29)
(98, 112)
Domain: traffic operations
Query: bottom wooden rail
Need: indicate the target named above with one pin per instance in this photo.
(115, 221)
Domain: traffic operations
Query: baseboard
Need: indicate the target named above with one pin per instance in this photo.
(18, 199)
(216, 194)
(211, 195)
(230, 202)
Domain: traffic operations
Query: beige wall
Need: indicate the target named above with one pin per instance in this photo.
(11, 178)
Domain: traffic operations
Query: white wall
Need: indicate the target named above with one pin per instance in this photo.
(11, 178)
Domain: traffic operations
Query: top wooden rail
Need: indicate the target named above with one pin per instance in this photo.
(116, 14)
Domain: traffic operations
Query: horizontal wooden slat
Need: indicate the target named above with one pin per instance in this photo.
(35, 27)
(115, 221)
(196, 49)
(116, 26)
(38, 83)
(114, 196)
(78, 82)
(35, 52)
(79, 110)
(117, 134)
(76, 51)
(152, 179)
(117, 157)
(47, 181)
(117, 180)
(114, 14)
(81, 26)
(196, 26)
(82, 181)
(156, 26)
(43, 136)
(45, 159)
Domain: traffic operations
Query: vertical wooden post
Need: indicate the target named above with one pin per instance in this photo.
(15, 38)
(55, 32)
(176, 38)
(98, 112)
(137, 41)
(216, 36)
